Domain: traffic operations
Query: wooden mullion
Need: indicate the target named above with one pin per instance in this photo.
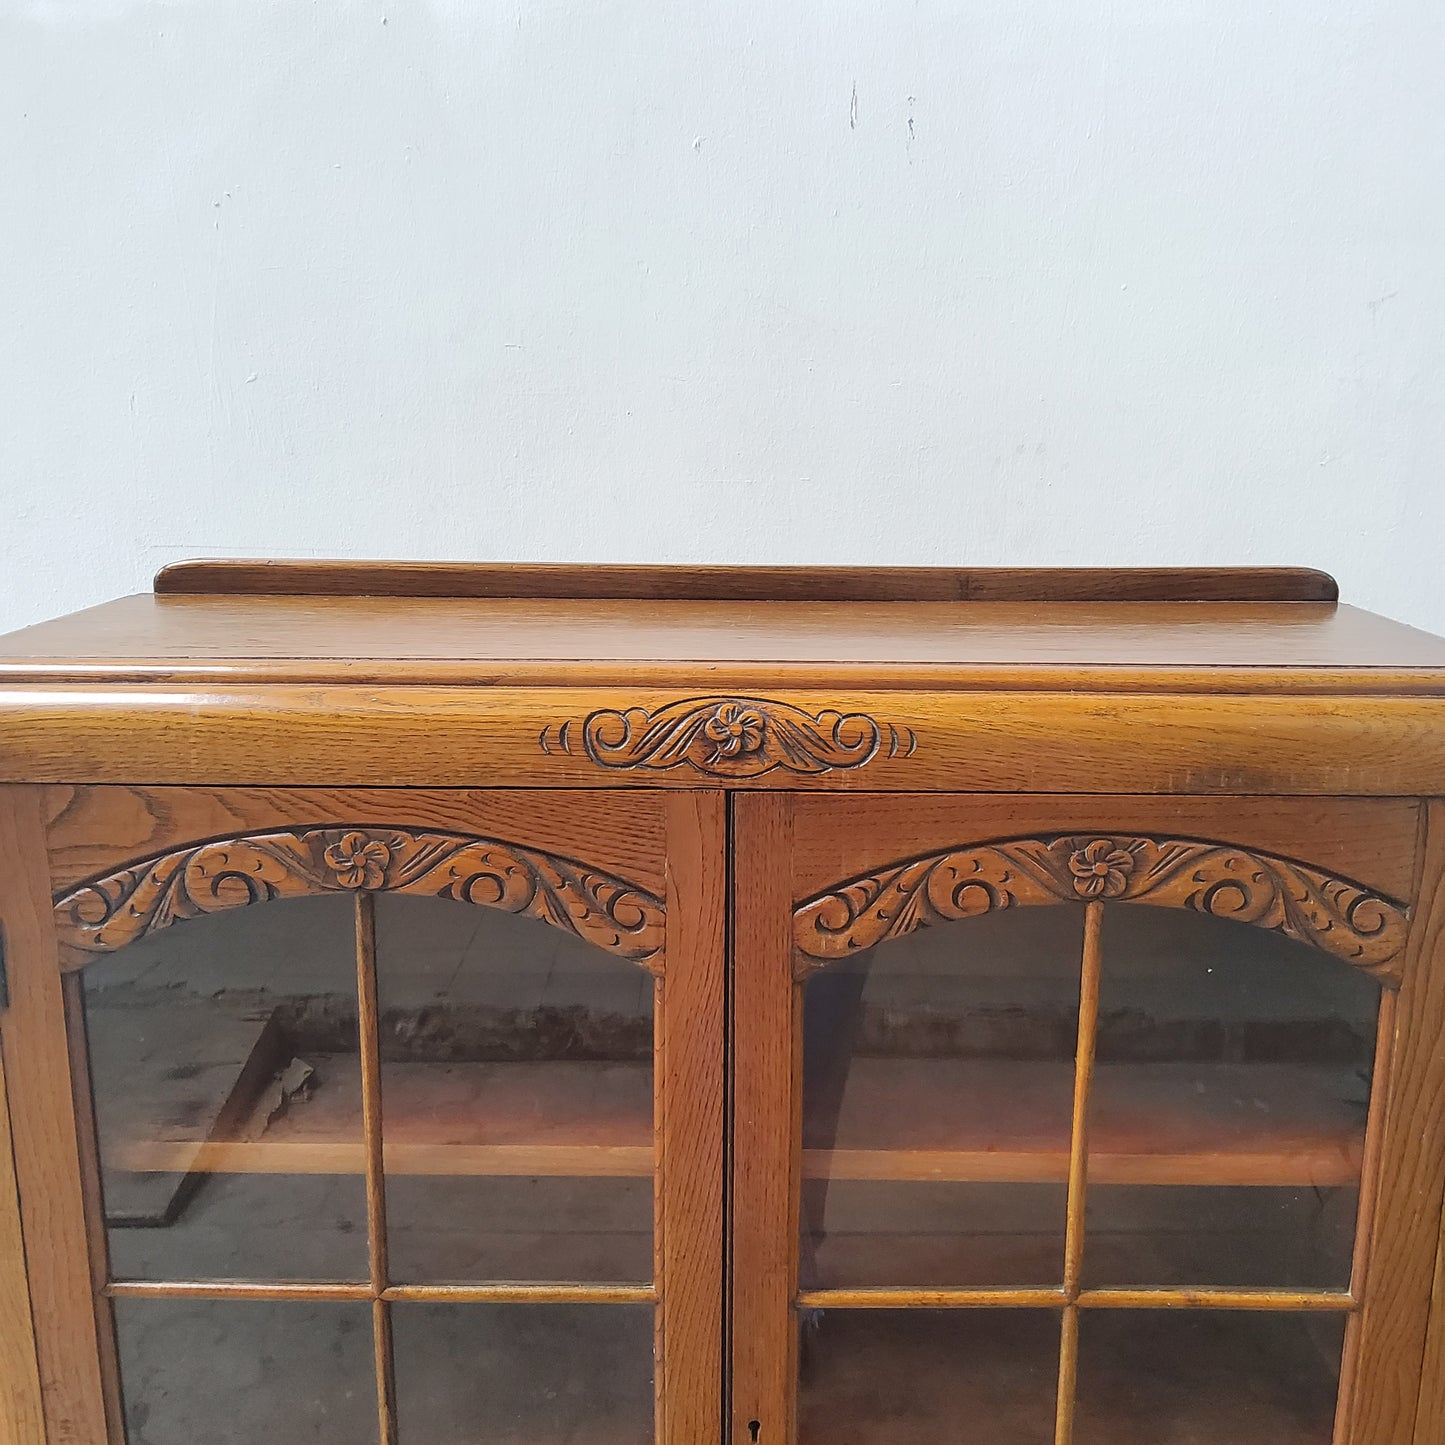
(689, 1081)
(371, 1124)
(1078, 1171)
(765, 1136)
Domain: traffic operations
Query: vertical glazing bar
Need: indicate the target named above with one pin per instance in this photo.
(1365, 1204)
(370, 1040)
(1078, 1171)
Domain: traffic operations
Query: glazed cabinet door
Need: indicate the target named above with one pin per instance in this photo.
(1085, 1120)
(389, 1116)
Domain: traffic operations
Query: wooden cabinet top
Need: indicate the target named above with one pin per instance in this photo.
(725, 628)
(1243, 680)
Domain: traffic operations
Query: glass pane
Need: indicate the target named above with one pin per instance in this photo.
(223, 1061)
(1207, 1377)
(1228, 1109)
(248, 1373)
(937, 1098)
(518, 1374)
(517, 1099)
(929, 1377)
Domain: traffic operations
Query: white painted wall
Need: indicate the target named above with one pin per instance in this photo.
(1009, 281)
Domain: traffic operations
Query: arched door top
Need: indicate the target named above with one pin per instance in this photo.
(1331, 913)
(108, 912)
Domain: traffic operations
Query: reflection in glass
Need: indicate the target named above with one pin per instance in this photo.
(937, 1100)
(524, 1374)
(1207, 1377)
(926, 1377)
(517, 1099)
(1227, 1120)
(246, 1372)
(223, 1062)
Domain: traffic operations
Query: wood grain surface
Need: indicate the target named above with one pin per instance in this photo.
(839, 584)
(46, 1147)
(984, 742)
(22, 1420)
(1406, 1216)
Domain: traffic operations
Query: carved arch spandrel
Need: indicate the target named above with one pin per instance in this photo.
(1330, 913)
(108, 912)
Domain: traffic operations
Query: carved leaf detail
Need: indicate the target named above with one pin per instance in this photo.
(1304, 903)
(109, 912)
(731, 737)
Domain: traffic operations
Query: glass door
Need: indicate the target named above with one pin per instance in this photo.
(1082, 1124)
(410, 1129)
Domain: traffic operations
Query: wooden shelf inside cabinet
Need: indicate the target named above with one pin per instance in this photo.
(969, 1121)
(907, 1119)
(531, 1119)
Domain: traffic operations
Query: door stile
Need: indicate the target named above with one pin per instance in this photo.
(22, 1420)
(690, 1081)
(766, 1105)
(47, 1149)
(1406, 1225)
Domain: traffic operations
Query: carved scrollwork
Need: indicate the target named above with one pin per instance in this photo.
(1314, 907)
(109, 912)
(729, 737)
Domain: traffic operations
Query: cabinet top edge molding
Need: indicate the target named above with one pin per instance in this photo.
(721, 631)
(628, 581)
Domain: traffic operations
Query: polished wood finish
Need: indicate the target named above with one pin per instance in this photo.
(990, 742)
(689, 1079)
(736, 779)
(1079, 1171)
(766, 1124)
(1406, 1217)
(748, 584)
(33, 1036)
(21, 1413)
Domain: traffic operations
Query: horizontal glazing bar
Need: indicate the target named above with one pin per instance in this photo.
(1119, 1299)
(1216, 1299)
(952, 1299)
(522, 1293)
(412, 1293)
(226, 1289)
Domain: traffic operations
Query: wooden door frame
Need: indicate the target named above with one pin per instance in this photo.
(781, 856)
(50, 838)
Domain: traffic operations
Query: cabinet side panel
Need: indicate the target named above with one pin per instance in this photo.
(46, 1153)
(765, 1105)
(1406, 1232)
(691, 1081)
(21, 1418)
(1430, 1418)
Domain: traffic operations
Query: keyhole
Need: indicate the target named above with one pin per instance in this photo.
(754, 1426)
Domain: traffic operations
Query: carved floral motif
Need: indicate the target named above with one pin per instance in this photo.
(358, 861)
(729, 737)
(109, 912)
(1303, 903)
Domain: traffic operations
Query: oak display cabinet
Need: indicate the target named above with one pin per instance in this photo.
(459, 1004)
